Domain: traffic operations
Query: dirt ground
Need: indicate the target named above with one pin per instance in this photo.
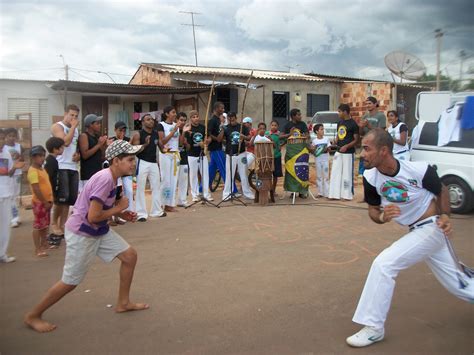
(280, 279)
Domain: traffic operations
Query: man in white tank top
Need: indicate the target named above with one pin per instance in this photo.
(411, 194)
(11, 137)
(68, 175)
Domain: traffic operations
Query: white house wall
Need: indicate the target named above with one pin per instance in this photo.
(26, 89)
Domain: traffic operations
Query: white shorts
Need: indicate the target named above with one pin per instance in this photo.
(81, 250)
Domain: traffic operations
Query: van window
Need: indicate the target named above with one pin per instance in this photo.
(429, 136)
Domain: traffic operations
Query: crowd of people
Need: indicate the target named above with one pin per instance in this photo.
(171, 154)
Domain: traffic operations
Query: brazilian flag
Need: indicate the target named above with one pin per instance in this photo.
(296, 168)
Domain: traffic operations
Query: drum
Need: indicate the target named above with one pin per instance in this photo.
(264, 161)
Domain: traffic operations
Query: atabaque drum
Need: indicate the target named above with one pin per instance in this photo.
(264, 161)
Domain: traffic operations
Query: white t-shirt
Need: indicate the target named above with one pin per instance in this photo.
(321, 145)
(13, 150)
(395, 132)
(65, 160)
(261, 139)
(405, 190)
(6, 164)
(173, 143)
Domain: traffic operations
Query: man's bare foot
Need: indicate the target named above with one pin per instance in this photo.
(170, 209)
(38, 324)
(41, 254)
(131, 307)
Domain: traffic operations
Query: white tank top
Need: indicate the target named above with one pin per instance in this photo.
(173, 143)
(65, 159)
(395, 133)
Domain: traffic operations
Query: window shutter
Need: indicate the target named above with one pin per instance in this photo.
(37, 107)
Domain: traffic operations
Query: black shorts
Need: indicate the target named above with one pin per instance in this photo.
(277, 172)
(68, 186)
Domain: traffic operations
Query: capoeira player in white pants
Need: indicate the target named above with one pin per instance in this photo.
(411, 194)
(168, 132)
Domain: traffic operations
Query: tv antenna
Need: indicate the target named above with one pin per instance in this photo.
(192, 13)
(404, 65)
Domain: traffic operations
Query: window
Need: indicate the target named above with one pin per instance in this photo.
(280, 104)
(229, 97)
(316, 103)
(153, 106)
(137, 107)
(37, 107)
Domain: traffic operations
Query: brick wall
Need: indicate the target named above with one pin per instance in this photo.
(354, 94)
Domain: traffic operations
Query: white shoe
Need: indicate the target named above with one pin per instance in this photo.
(15, 224)
(186, 204)
(7, 259)
(196, 199)
(365, 337)
(237, 194)
(209, 198)
(226, 198)
(250, 197)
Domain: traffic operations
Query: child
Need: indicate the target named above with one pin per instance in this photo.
(42, 199)
(275, 137)
(11, 137)
(320, 146)
(55, 147)
(262, 135)
(7, 169)
(88, 234)
(195, 135)
(183, 165)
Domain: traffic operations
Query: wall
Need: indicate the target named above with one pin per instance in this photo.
(355, 94)
(31, 89)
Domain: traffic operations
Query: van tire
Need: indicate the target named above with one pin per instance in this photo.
(460, 194)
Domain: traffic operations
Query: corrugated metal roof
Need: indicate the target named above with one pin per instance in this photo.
(124, 89)
(236, 72)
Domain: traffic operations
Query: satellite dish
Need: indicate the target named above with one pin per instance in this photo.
(405, 65)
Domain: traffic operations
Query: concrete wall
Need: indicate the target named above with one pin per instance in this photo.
(30, 89)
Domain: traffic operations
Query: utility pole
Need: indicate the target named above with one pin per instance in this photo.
(462, 55)
(66, 74)
(438, 35)
(194, 33)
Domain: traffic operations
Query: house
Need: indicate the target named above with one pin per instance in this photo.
(44, 101)
(274, 93)
(271, 96)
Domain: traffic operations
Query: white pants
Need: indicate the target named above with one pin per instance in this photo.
(341, 184)
(148, 171)
(16, 194)
(425, 243)
(183, 184)
(322, 177)
(169, 164)
(238, 162)
(195, 167)
(127, 186)
(250, 160)
(5, 218)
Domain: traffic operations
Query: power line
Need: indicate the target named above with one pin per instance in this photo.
(28, 70)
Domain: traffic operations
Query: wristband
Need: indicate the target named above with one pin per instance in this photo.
(381, 217)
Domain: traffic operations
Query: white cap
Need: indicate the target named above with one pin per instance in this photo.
(247, 120)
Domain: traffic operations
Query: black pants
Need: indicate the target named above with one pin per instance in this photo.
(68, 186)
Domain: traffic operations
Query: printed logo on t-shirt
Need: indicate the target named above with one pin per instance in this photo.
(3, 166)
(394, 191)
(197, 138)
(320, 149)
(234, 138)
(413, 182)
(342, 132)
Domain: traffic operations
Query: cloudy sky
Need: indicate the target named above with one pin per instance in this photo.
(339, 37)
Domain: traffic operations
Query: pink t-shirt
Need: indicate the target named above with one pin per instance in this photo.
(102, 188)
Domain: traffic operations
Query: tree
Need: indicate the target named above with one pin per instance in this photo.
(446, 83)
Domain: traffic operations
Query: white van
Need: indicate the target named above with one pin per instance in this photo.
(453, 161)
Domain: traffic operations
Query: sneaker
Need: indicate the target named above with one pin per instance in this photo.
(226, 198)
(237, 194)
(141, 219)
(186, 204)
(15, 224)
(209, 198)
(7, 259)
(162, 214)
(365, 337)
(196, 199)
